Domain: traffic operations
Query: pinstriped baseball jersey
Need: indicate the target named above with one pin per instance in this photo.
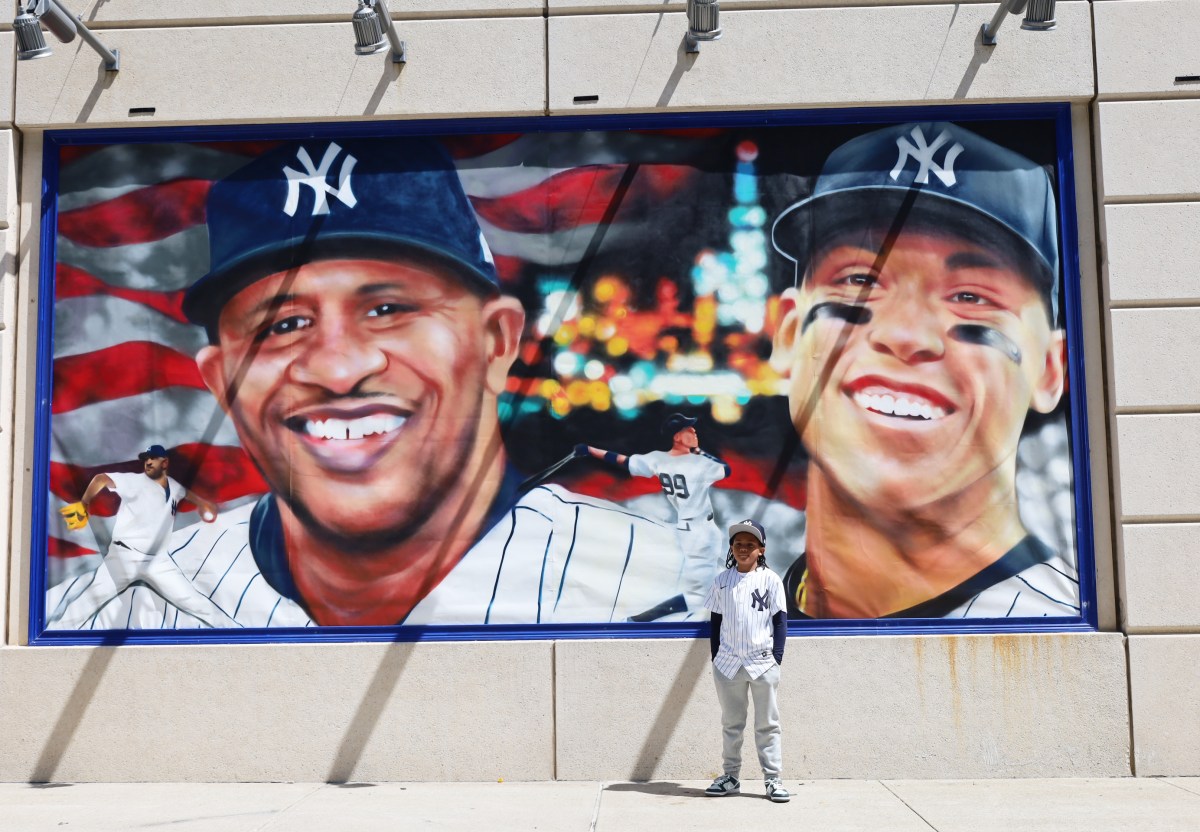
(745, 601)
(1029, 581)
(1045, 589)
(147, 510)
(553, 556)
(685, 479)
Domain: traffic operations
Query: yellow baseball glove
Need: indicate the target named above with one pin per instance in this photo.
(76, 515)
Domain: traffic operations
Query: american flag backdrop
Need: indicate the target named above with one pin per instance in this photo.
(132, 237)
(622, 230)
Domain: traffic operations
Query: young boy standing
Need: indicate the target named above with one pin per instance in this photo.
(749, 630)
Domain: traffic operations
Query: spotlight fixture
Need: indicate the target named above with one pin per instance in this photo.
(31, 16)
(371, 22)
(1039, 17)
(704, 22)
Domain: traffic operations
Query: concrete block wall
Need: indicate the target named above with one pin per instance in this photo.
(936, 706)
(1147, 116)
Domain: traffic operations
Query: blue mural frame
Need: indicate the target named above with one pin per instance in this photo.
(1059, 113)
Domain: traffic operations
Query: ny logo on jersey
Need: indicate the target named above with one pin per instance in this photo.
(758, 600)
(923, 154)
(174, 507)
(314, 176)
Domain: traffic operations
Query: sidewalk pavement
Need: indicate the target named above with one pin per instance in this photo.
(1067, 805)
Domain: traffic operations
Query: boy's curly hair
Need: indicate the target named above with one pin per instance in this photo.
(729, 560)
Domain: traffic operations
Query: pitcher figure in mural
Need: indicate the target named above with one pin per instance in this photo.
(359, 343)
(686, 473)
(922, 328)
(139, 550)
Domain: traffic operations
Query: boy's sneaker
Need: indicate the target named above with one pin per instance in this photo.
(776, 791)
(724, 785)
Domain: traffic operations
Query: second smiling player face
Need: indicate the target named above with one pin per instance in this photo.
(944, 347)
(363, 389)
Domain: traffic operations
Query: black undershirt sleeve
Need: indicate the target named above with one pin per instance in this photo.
(779, 635)
(714, 635)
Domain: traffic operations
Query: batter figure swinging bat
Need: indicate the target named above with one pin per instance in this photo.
(149, 502)
(686, 474)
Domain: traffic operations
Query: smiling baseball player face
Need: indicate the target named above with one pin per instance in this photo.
(746, 550)
(363, 389)
(946, 348)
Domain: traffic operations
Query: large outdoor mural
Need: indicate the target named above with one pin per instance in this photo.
(530, 378)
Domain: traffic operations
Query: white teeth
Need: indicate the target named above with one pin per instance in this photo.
(353, 428)
(899, 406)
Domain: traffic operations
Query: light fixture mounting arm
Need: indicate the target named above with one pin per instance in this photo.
(112, 57)
(399, 49)
(990, 29)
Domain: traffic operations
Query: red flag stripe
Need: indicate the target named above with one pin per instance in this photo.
(70, 282)
(470, 146)
(141, 216)
(59, 548)
(75, 152)
(578, 197)
(216, 473)
(127, 369)
(508, 268)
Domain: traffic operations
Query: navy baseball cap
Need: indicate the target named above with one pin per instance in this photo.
(677, 422)
(153, 452)
(955, 180)
(320, 199)
(749, 527)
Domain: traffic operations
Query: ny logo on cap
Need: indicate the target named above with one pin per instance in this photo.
(314, 177)
(923, 153)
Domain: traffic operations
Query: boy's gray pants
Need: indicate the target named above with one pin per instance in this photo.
(734, 695)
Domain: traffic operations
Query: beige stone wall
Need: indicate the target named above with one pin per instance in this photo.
(934, 706)
(1148, 183)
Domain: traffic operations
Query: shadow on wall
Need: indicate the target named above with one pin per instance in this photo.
(666, 721)
(366, 717)
(74, 709)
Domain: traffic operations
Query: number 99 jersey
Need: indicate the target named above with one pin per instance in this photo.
(685, 479)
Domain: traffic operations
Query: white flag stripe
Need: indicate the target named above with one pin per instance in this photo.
(560, 248)
(62, 571)
(577, 150)
(168, 264)
(492, 183)
(96, 322)
(118, 430)
(94, 196)
(139, 165)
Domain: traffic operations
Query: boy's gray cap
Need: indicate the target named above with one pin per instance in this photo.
(749, 527)
(955, 180)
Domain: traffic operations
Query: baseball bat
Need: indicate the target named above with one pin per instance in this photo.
(545, 473)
